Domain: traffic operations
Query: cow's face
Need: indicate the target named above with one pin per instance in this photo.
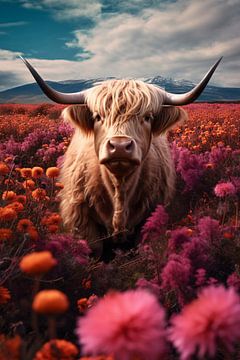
(122, 146)
(123, 118)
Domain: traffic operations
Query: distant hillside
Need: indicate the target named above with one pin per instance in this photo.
(31, 93)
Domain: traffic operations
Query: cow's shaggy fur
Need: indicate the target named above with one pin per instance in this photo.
(93, 202)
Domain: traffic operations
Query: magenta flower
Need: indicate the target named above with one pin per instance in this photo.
(127, 325)
(155, 224)
(190, 167)
(177, 239)
(200, 277)
(236, 182)
(150, 285)
(197, 251)
(224, 189)
(176, 276)
(62, 244)
(209, 229)
(213, 317)
(234, 281)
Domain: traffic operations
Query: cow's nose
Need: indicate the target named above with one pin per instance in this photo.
(120, 146)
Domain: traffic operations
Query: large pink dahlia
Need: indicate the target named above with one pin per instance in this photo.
(128, 325)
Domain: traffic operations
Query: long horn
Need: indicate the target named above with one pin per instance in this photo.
(54, 95)
(192, 95)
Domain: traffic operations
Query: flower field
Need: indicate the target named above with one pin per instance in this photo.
(175, 295)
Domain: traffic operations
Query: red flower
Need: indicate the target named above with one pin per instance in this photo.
(57, 350)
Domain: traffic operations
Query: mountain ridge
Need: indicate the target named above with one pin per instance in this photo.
(31, 93)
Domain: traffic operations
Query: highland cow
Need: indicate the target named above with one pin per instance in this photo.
(118, 165)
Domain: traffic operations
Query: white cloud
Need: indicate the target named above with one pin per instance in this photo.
(182, 40)
(66, 10)
(18, 74)
(12, 24)
(6, 55)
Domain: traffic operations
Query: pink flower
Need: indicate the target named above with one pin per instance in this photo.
(213, 317)
(127, 325)
(224, 189)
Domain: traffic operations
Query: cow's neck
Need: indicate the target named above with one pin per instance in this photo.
(121, 191)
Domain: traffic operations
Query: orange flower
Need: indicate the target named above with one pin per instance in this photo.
(86, 284)
(9, 182)
(5, 295)
(82, 304)
(5, 234)
(52, 219)
(9, 158)
(9, 195)
(26, 172)
(99, 357)
(24, 225)
(22, 199)
(7, 214)
(50, 302)
(29, 184)
(10, 348)
(37, 263)
(17, 206)
(4, 169)
(57, 350)
(209, 166)
(52, 172)
(189, 232)
(59, 185)
(33, 234)
(228, 235)
(39, 194)
(53, 228)
(37, 172)
(55, 219)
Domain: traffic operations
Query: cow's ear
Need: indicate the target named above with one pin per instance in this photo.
(79, 116)
(168, 118)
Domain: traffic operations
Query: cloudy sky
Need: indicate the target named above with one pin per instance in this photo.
(74, 39)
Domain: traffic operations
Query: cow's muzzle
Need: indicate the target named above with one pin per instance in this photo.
(120, 155)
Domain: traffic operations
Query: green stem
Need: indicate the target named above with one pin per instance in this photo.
(35, 290)
(52, 333)
(236, 217)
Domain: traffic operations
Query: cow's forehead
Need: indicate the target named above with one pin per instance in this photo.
(128, 96)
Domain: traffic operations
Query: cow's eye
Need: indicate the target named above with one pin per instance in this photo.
(97, 117)
(148, 118)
